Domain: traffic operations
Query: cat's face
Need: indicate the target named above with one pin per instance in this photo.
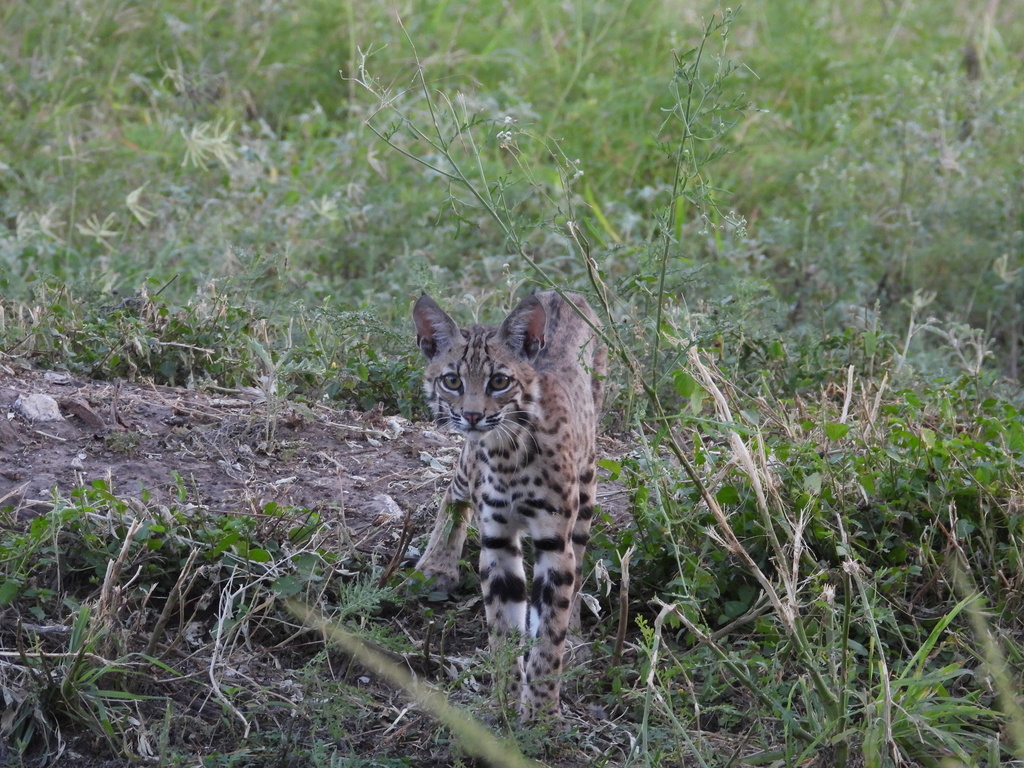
(474, 386)
(479, 379)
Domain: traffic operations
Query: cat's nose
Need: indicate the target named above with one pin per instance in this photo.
(472, 417)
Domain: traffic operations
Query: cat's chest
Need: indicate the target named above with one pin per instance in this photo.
(519, 478)
(500, 468)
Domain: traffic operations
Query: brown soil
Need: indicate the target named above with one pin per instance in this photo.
(231, 451)
(367, 473)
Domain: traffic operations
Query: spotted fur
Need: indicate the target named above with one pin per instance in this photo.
(526, 395)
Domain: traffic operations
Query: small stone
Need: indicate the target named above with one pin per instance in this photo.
(37, 407)
(389, 509)
(436, 437)
(80, 408)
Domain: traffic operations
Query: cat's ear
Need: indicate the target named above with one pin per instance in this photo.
(523, 329)
(435, 331)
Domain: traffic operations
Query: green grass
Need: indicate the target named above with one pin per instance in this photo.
(806, 235)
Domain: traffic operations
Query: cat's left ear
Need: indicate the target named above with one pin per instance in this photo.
(523, 329)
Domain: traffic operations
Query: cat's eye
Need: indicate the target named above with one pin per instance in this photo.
(451, 381)
(499, 381)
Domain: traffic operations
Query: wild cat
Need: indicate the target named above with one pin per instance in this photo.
(526, 395)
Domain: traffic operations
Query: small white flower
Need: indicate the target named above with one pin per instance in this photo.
(828, 595)
(100, 231)
(206, 140)
(143, 215)
(49, 223)
(24, 226)
(326, 207)
(506, 140)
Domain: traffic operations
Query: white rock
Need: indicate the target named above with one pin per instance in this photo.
(37, 408)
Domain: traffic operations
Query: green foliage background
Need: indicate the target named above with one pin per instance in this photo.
(199, 193)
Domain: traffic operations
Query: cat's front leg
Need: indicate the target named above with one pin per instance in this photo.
(439, 562)
(503, 580)
(554, 574)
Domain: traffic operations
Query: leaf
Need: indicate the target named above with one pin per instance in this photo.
(727, 494)
(592, 603)
(917, 662)
(222, 545)
(697, 401)
(684, 383)
(836, 431)
(614, 467)
(1015, 436)
(287, 586)
(8, 591)
(259, 555)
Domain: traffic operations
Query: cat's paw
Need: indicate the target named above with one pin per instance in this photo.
(443, 580)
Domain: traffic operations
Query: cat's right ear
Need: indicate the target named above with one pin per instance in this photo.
(435, 331)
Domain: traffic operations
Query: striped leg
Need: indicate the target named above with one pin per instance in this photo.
(503, 579)
(581, 537)
(440, 558)
(550, 609)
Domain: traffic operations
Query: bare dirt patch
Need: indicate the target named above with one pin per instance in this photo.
(230, 451)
